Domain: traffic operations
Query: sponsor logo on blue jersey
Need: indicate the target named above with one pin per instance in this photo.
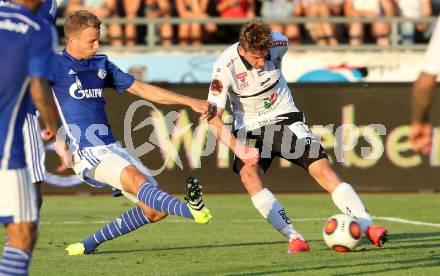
(77, 92)
(18, 27)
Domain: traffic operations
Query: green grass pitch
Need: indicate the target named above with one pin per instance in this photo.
(238, 241)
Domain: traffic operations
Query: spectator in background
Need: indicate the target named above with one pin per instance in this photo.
(236, 8)
(281, 9)
(321, 33)
(412, 9)
(336, 7)
(162, 9)
(191, 33)
(130, 10)
(102, 9)
(369, 8)
(233, 9)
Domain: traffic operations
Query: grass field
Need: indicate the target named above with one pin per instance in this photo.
(238, 241)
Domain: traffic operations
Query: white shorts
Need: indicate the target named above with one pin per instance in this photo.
(34, 148)
(367, 6)
(410, 8)
(18, 202)
(102, 166)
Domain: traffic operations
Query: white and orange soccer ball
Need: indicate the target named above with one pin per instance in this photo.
(342, 233)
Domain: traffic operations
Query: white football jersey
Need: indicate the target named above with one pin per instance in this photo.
(431, 63)
(256, 96)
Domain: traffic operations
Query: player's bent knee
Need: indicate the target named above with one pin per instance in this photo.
(248, 175)
(151, 214)
(132, 179)
(157, 216)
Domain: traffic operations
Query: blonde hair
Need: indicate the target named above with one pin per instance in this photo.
(79, 21)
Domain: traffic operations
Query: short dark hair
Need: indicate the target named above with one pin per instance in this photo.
(256, 36)
(79, 21)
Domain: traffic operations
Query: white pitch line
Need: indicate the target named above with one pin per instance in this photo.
(176, 221)
(406, 221)
(391, 219)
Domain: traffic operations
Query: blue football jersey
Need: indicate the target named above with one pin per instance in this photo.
(48, 11)
(79, 94)
(25, 52)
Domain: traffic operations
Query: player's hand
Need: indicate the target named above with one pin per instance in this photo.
(202, 107)
(48, 134)
(249, 155)
(420, 137)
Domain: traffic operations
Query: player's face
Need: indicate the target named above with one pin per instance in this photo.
(87, 43)
(255, 58)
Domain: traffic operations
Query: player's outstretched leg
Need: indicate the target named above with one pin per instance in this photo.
(124, 224)
(118, 172)
(193, 191)
(347, 200)
(270, 208)
(162, 201)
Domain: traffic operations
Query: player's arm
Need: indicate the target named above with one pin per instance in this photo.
(422, 97)
(218, 90)
(249, 155)
(42, 69)
(421, 129)
(40, 92)
(163, 96)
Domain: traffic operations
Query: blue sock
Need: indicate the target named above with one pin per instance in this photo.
(127, 222)
(162, 201)
(14, 261)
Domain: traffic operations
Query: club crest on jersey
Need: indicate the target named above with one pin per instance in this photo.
(102, 74)
(216, 87)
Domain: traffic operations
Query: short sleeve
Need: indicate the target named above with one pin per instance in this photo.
(118, 79)
(431, 64)
(219, 86)
(41, 53)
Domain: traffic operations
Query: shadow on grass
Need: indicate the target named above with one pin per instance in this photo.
(421, 236)
(191, 247)
(402, 265)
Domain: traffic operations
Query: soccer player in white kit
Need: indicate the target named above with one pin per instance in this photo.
(421, 127)
(268, 124)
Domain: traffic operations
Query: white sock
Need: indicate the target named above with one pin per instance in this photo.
(271, 209)
(347, 200)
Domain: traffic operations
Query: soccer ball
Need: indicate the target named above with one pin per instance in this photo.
(342, 233)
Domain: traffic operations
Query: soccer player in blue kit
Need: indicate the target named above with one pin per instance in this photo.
(33, 143)
(97, 157)
(25, 52)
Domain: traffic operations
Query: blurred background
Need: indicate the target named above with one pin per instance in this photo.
(349, 62)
